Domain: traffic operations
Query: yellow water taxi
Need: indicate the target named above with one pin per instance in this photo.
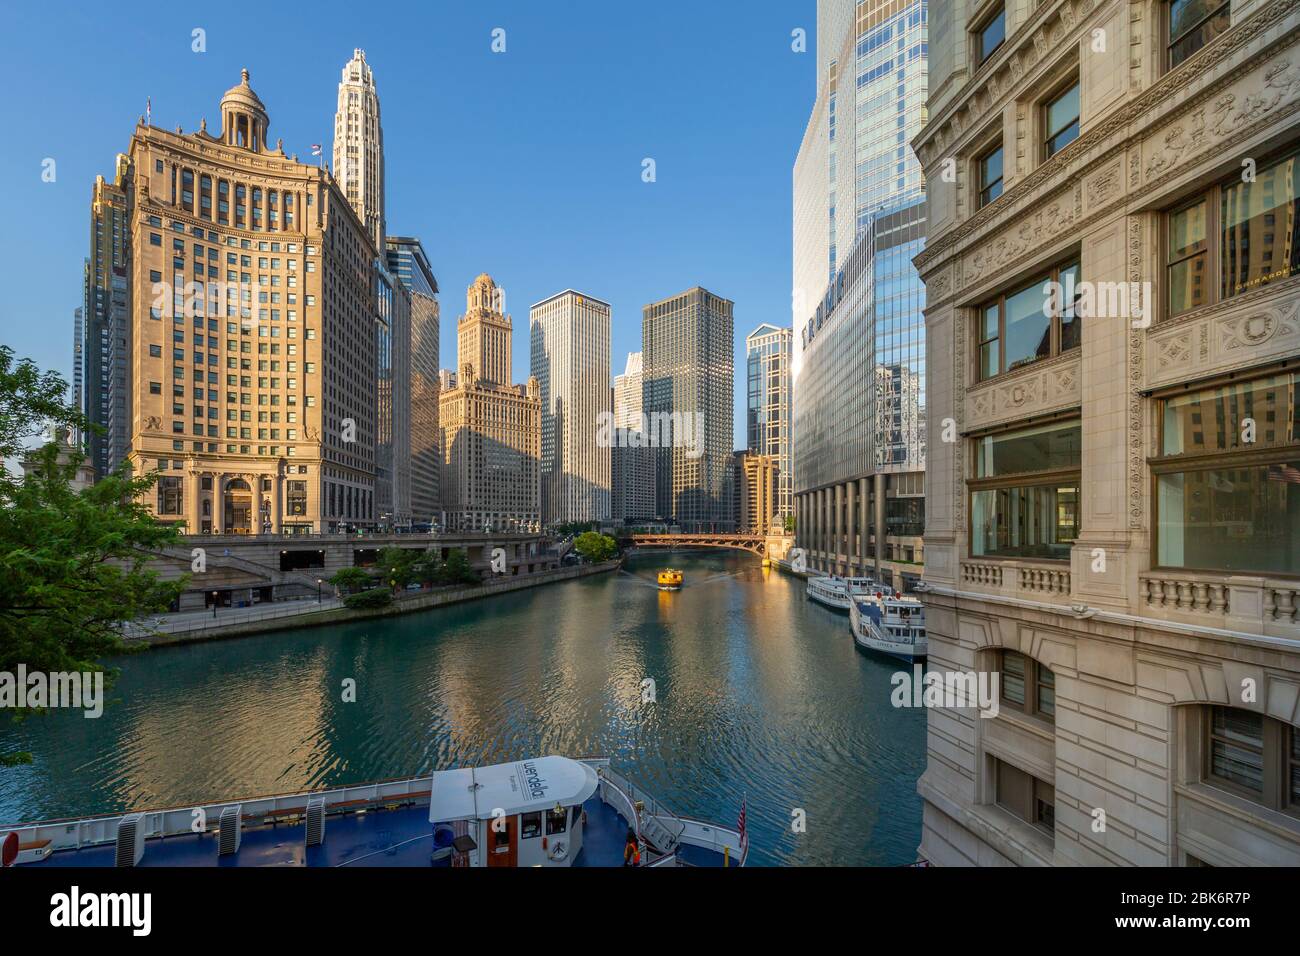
(670, 579)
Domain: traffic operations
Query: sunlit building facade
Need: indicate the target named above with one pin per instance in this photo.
(1113, 496)
(769, 351)
(408, 262)
(859, 213)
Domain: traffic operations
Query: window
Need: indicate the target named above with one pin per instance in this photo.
(1033, 322)
(556, 820)
(1234, 238)
(1193, 24)
(1225, 503)
(1025, 796)
(530, 826)
(1062, 120)
(990, 176)
(296, 498)
(990, 35)
(169, 496)
(1028, 687)
(1025, 493)
(1252, 755)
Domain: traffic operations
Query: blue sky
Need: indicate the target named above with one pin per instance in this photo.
(525, 164)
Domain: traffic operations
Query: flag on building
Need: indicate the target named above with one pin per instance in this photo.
(148, 111)
(315, 149)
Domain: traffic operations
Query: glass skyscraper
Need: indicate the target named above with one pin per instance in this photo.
(859, 207)
(767, 405)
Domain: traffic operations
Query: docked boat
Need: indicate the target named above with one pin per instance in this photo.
(838, 593)
(546, 811)
(670, 579)
(890, 625)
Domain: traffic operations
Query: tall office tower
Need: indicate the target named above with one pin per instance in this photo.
(768, 353)
(408, 262)
(78, 392)
(254, 401)
(628, 400)
(491, 431)
(756, 479)
(1113, 501)
(632, 460)
(569, 339)
(393, 393)
(859, 219)
(107, 316)
(687, 342)
(359, 146)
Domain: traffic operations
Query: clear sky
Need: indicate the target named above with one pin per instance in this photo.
(525, 164)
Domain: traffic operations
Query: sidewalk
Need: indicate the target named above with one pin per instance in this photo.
(184, 622)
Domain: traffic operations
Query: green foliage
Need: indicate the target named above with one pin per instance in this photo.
(73, 564)
(595, 547)
(457, 569)
(351, 580)
(574, 527)
(789, 524)
(369, 600)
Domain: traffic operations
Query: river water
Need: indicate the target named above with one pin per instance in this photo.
(759, 695)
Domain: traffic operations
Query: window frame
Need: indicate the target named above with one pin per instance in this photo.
(1159, 464)
(1276, 750)
(1033, 685)
(976, 32)
(1072, 81)
(981, 159)
(1052, 274)
(1024, 806)
(1167, 27)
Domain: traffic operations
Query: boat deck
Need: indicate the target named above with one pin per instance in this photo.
(397, 837)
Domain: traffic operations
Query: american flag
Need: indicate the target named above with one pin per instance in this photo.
(148, 110)
(740, 823)
(315, 149)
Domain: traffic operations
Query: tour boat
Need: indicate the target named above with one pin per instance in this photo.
(888, 624)
(836, 592)
(545, 811)
(670, 579)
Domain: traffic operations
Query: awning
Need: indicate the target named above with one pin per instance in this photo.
(522, 787)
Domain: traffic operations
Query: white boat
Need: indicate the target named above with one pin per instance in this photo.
(838, 593)
(891, 625)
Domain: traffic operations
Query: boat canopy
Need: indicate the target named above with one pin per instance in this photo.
(477, 793)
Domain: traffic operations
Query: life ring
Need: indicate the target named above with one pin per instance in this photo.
(559, 852)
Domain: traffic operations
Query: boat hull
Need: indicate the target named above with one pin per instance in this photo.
(869, 639)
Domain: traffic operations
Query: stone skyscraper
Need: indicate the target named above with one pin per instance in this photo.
(253, 401)
(768, 354)
(569, 347)
(491, 431)
(687, 342)
(359, 146)
(632, 460)
(859, 328)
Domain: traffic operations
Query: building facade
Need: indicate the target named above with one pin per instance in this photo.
(359, 146)
(757, 483)
(106, 329)
(769, 351)
(859, 219)
(569, 354)
(632, 460)
(252, 400)
(1113, 503)
(687, 346)
(408, 262)
(491, 431)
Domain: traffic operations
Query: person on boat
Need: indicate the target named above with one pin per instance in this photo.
(631, 851)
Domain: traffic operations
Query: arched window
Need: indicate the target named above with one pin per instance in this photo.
(1027, 686)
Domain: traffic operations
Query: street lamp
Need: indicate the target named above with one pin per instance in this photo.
(214, 603)
(318, 584)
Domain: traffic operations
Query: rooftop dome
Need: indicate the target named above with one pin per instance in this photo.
(243, 117)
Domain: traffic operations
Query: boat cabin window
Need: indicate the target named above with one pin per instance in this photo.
(557, 820)
(500, 837)
(530, 825)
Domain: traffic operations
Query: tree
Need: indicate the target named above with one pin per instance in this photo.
(351, 580)
(595, 547)
(73, 563)
(369, 600)
(457, 569)
(399, 566)
(789, 524)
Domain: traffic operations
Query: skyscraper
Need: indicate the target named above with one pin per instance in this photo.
(687, 342)
(359, 170)
(78, 396)
(408, 262)
(632, 460)
(859, 219)
(491, 431)
(569, 339)
(107, 317)
(254, 402)
(768, 353)
(359, 146)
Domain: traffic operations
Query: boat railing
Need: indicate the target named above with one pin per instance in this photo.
(75, 833)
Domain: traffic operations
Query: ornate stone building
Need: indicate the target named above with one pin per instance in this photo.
(251, 332)
(491, 430)
(1113, 493)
